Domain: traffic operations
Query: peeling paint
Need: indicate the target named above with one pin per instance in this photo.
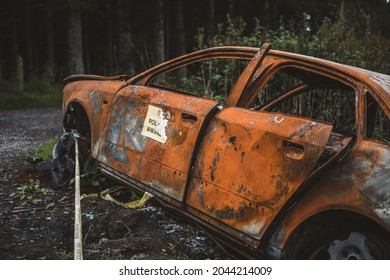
(133, 138)
(114, 130)
(97, 101)
(381, 80)
(233, 140)
(254, 229)
(214, 166)
(276, 119)
(163, 188)
(140, 165)
(303, 130)
(241, 189)
(223, 213)
(119, 154)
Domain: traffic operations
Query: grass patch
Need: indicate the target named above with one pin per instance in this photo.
(30, 99)
(45, 151)
(63, 255)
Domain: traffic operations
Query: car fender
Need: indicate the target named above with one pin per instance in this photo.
(95, 97)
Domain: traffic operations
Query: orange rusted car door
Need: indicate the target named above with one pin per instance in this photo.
(150, 138)
(249, 164)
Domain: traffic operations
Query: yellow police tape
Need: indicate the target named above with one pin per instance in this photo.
(107, 195)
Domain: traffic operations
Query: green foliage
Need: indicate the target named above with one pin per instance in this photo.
(45, 151)
(11, 99)
(338, 42)
(341, 40)
(63, 255)
(129, 231)
(211, 79)
(32, 193)
(92, 177)
(174, 249)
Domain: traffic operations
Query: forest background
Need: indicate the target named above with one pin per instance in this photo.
(43, 41)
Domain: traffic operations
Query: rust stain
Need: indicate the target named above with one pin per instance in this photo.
(303, 130)
(213, 167)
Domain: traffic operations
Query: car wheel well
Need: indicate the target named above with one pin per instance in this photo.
(63, 163)
(325, 227)
(76, 118)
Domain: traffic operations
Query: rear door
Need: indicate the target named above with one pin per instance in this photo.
(249, 165)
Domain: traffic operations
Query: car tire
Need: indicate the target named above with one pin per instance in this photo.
(63, 163)
(356, 246)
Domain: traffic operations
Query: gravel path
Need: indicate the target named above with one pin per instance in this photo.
(22, 131)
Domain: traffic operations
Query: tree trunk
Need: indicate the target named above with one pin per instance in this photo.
(181, 36)
(231, 8)
(19, 74)
(14, 39)
(110, 39)
(125, 48)
(210, 19)
(342, 14)
(180, 30)
(273, 15)
(86, 48)
(269, 16)
(49, 67)
(28, 64)
(75, 42)
(159, 55)
(265, 13)
(1, 67)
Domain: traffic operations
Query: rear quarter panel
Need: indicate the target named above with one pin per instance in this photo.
(96, 99)
(359, 184)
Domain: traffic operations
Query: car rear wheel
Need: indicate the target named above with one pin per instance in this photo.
(356, 246)
(63, 164)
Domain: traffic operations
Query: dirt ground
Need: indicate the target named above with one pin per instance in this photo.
(37, 222)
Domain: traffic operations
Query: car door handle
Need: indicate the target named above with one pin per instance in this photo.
(293, 150)
(189, 117)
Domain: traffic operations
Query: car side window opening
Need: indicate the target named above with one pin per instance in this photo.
(377, 123)
(212, 79)
(301, 93)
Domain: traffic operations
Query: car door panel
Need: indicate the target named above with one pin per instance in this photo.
(155, 150)
(249, 163)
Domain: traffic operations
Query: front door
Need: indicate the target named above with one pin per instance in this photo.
(151, 135)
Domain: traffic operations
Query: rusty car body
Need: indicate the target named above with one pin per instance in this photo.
(293, 164)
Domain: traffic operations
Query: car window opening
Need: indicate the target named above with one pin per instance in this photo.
(212, 79)
(300, 93)
(377, 123)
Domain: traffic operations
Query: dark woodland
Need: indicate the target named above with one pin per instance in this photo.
(43, 41)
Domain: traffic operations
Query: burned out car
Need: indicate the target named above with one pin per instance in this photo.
(288, 157)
